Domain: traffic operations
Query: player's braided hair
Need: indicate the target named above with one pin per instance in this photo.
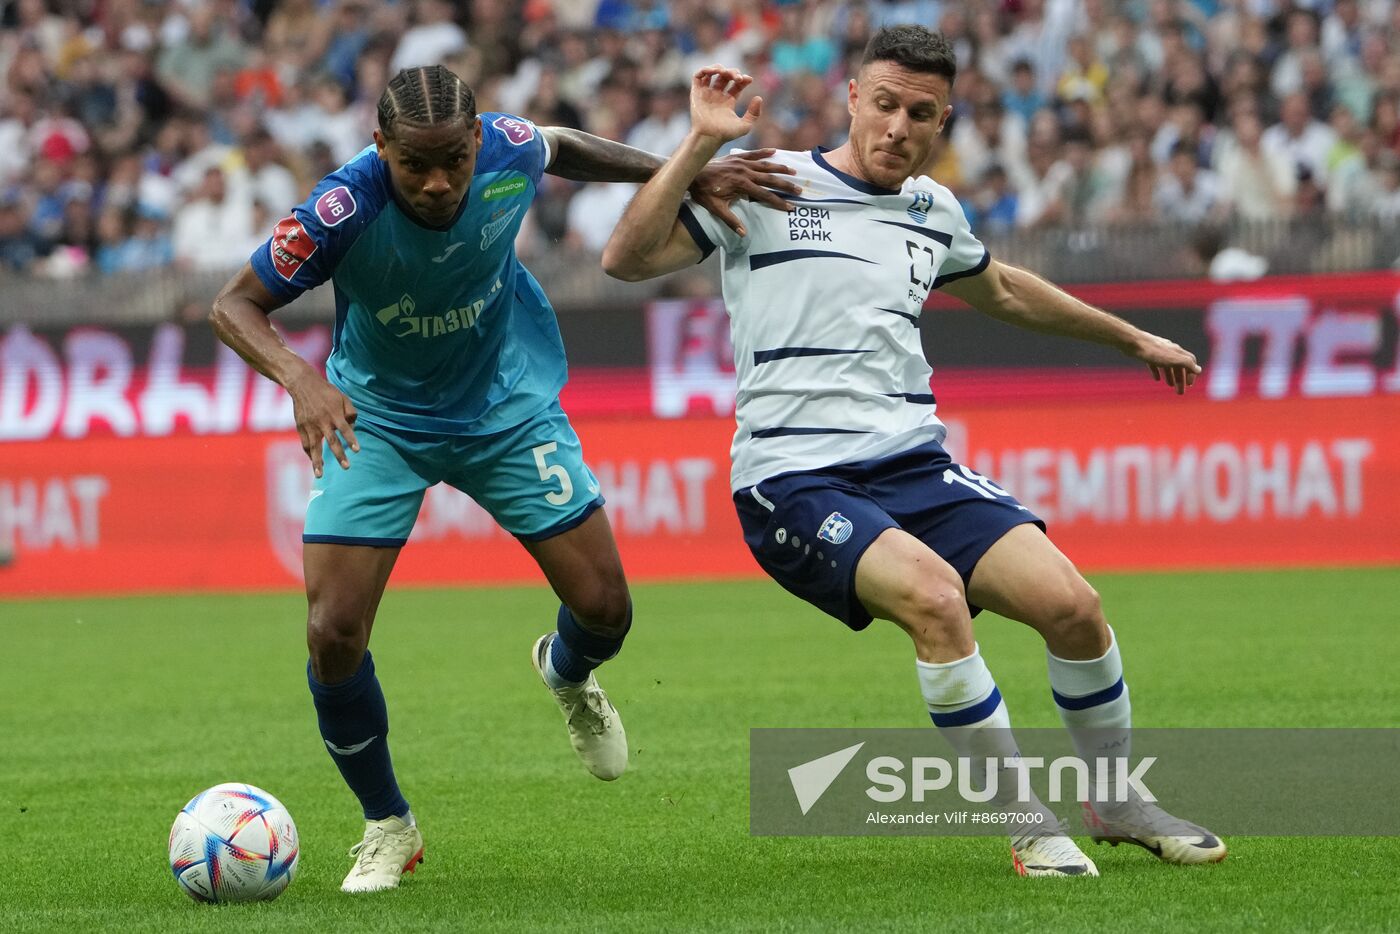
(914, 47)
(425, 96)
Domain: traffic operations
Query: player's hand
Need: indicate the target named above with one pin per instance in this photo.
(1168, 361)
(713, 93)
(323, 413)
(743, 175)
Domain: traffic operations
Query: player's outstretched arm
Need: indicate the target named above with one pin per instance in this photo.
(1018, 296)
(584, 157)
(649, 240)
(240, 319)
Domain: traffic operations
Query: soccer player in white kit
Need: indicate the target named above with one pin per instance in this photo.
(843, 489)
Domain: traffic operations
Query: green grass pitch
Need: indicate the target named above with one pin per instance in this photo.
(114, 712)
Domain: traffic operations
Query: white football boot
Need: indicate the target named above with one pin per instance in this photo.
(595, 729)
(1170, 839)
(391, 848)
(1047, 851)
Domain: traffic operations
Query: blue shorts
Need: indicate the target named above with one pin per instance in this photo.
(809, 529)
(530, 478)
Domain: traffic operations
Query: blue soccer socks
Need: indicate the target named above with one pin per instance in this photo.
(576, 651)
(354, 723)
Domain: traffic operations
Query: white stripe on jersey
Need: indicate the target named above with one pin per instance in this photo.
(824, 306)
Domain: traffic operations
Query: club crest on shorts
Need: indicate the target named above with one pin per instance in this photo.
(836, 529)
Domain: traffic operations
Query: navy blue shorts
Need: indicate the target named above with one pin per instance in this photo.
(809, 529)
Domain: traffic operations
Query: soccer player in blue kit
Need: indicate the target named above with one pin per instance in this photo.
(446, 366)
(844, 491)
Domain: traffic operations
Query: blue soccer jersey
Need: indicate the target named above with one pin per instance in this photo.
(436, 329)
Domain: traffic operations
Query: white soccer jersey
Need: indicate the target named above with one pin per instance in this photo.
(824, 305)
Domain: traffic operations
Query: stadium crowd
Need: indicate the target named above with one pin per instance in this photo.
(137, 134)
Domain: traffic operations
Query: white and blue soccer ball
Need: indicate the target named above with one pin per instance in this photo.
(233, 843)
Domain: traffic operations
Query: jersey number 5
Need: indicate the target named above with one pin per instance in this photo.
(549, 472)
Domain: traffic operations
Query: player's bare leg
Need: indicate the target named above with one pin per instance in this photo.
(344, 584)
(1026, 578)
(583, 567)
(899, 578)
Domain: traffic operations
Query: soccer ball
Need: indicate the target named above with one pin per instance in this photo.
(233, 843)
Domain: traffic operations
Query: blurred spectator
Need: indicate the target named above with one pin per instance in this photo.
(187, 69)
(348, 35)
(1022, 98)
(1307, 194)
(1348, 185)
(50, 199)
(264, 177)
(667, 121)
(1084, 77)
(293, 38)
(1137, 185)
(993, 208)
(1299, 138)
(1186, 192)
(17, 116)
(433, 36)
(258, 82)
(1257, 182)
(991, 136)
(1387, 186)
(316, 111)
(18, 249)
(213, 231)
(1040, 34)
(137, 246)
(796, 48)
(712, 45)
(1342, 34)
(596, 209)
(1301, 36)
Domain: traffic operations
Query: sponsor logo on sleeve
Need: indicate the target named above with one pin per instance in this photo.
(519, 132)
(290, 247)
(335, 206)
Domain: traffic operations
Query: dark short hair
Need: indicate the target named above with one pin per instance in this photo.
(913, 47)
(425, 96)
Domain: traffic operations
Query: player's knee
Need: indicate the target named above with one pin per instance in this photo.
(336, 641)
(604, 607)
(938, 600)
(933, 611)
(1073, 619)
